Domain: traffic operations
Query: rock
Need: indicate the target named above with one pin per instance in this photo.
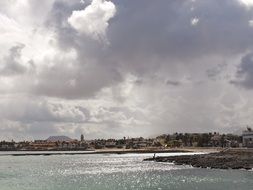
(232, 158)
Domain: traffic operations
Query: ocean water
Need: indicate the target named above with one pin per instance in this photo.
(113, 172)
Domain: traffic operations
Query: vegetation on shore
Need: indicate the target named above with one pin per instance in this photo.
(176, 140)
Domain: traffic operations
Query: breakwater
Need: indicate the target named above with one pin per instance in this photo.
(226, 159)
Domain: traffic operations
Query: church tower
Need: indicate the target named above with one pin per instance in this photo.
(82, 137)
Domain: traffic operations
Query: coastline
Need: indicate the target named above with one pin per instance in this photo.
(106, 151)
(236, 158)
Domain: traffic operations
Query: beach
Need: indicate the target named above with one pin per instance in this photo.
(108, 151)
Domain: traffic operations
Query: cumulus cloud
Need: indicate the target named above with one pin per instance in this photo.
(94, 19)
(194, 21)
(153, 72)
(35, 110)
(247, 3)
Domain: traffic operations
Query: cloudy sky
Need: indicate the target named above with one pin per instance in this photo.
(124, 67)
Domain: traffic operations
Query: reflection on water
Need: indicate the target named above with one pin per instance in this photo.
(112, 172)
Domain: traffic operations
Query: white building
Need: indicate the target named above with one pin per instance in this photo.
(247, 137)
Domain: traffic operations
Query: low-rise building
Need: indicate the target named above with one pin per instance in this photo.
(247, 138)
(7, 145)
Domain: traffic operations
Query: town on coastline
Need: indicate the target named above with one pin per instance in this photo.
(165, 141)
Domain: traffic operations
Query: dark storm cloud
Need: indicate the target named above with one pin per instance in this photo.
(90, 71)
(245, 72)
(163, 29)
(213, 73)
(142, 42)
(173, 83)
(57, 20)
(12, 63)
(154, 68)
(74, 82)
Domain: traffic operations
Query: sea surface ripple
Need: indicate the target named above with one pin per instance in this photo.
(112, 172)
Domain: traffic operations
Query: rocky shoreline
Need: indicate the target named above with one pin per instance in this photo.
(226, 159)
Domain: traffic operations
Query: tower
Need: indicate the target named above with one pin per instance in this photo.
(82, 137)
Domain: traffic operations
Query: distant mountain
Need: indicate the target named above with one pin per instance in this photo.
(58, 138)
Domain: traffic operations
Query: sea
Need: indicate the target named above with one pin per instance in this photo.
(113, 172)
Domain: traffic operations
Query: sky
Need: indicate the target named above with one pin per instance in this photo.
(115, 68)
